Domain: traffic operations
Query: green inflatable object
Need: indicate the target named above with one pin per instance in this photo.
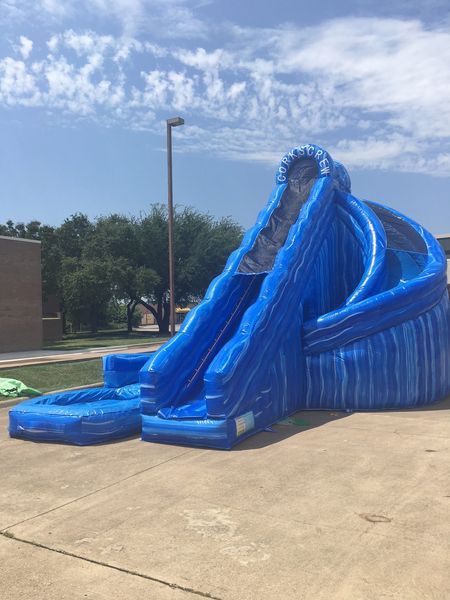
(12, 388)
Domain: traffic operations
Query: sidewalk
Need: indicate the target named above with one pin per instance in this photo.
(40, 357)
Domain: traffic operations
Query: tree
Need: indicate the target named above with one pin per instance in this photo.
(131, 284)
(86, 288)
(116, 258)
(116, 239)
(201, 247)
(73, 235)
(67, 243)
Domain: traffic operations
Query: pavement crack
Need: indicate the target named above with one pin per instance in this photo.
(174, 586)
(106, 487)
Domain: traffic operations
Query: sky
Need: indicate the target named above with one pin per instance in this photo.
(86, 86)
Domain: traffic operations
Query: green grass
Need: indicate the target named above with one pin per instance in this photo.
(105, 339)
(56, 376)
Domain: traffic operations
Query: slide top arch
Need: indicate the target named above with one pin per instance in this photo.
(326, 166)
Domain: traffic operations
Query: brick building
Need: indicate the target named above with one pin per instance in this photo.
(20, 295)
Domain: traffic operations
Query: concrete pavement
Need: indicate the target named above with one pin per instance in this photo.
(41, 357)
(348, 507)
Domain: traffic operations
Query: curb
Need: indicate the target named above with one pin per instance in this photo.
(14, 401)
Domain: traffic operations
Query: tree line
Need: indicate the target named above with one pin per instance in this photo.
(92, 266)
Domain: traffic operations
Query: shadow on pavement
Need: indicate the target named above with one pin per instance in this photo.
(441, 405)
(293, 425)
(304, 420)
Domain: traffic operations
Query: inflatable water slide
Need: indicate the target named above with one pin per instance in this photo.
(329, 303)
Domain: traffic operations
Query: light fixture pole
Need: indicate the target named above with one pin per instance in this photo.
(175, 122)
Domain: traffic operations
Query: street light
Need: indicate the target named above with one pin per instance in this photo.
(175, 122)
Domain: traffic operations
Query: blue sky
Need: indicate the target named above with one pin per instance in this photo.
(85, 87)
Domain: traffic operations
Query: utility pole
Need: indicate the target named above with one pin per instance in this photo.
(175, 122)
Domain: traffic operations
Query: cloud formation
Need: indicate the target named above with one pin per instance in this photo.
(376, 92)
(166, 18)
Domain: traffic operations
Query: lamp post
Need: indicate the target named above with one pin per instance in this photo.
(175, 122)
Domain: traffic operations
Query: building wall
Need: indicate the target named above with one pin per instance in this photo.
(52, 330)
(444, 240)
(52, 323)
(20, 295)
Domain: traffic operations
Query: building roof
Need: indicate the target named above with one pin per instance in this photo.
(16, 239)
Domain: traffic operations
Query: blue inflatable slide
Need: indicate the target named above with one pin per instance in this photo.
(329, 303)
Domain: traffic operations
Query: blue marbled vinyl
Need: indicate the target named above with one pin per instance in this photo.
(352, 314)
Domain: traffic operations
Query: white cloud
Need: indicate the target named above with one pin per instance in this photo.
(17, 82)
(164, 18)
(56, 8)
(25, 47)
(376, 92)
(389, 66)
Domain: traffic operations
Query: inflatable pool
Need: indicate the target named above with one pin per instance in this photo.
(87, 416)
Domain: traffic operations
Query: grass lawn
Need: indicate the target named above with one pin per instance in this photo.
(104, 339)
(56, 376)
